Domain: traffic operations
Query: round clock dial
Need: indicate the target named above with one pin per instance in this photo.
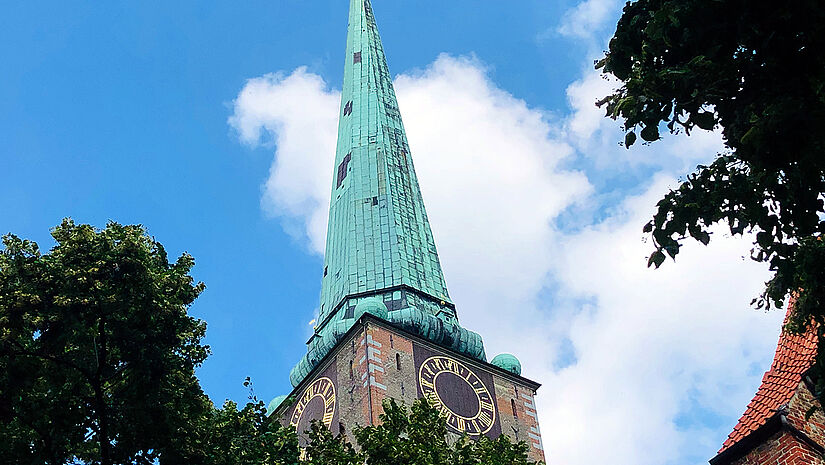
(458, 393)
(318, 398)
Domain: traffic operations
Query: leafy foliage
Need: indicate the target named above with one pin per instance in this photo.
(97, 360)
(417, 436)
(97, 352)
(755, 71)
(420, 437)
(248, 437)
(325, 449)
(401, 438)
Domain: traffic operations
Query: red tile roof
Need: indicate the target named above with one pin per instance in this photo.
(794, 355)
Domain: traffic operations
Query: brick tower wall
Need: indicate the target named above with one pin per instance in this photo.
(376, 361)
(781, 449)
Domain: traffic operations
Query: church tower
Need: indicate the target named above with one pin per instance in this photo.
(387, 326)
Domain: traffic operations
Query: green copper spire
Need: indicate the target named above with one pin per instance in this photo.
(378, 235)
(380, 253)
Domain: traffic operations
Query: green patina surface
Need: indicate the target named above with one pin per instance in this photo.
(379, 241)
(507, 362)
(378, 235)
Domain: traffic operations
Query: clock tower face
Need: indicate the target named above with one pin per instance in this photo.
(316, 402)
(459, 393)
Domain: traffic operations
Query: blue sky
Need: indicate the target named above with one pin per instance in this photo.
(196, 121)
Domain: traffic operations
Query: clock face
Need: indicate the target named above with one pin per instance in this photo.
(318, 397)
(458, 393)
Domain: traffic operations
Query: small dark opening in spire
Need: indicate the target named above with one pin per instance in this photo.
(356, 57)
(342, 170)
(348, 108)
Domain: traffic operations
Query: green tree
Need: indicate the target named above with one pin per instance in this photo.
(97, 360)
(756, 71)
(324, 448)
(248, 437)
(419, 437)
(97, 352)
(402, 437)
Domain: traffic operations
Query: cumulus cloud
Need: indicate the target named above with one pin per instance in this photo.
(596, 137)
(297, 114)
(587, 19)
(644, 363)
(657, 354)
(490, 175)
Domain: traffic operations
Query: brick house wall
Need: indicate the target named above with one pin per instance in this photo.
(801, 403)
(781, 449)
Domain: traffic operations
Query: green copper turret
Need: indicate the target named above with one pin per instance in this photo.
(380, 253)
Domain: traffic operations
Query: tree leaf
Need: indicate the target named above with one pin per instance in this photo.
(650, 133)
(766, 94)
(629, 139)
(656, 259)
(704, 119)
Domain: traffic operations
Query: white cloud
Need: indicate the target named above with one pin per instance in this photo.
(648, 356)
(597, 137)
(490, 175)
(587, 119)
(298, 113)
(656, 346)
(587, 18)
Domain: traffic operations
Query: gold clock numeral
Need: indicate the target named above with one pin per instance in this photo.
(473, 427)
(449, 365)
(485, 417)
(323, 388)
(430, 371)
(444, 409)
(479, 423)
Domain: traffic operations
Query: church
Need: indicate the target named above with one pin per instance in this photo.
(387, 327)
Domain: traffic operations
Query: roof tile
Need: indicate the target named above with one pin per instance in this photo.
(794, 355)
